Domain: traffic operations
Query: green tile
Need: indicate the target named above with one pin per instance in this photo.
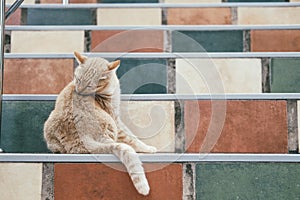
(22, 126)
(43, 16)
(143, 76)
(207, 41)
(266, 181)
(285, 75)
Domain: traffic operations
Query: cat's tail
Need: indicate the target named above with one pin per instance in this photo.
(130, 159)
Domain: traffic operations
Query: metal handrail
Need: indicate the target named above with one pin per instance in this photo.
(4, 16)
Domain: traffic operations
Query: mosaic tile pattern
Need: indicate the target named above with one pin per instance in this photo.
(247, 181)
(21, 181)
(194, 76)
(56, 42)
(250, 126)
(22, 126)
(129, 16)
(285, 75)
(268, 15)
(127, 41)
(92, 182)
(51, 16)
(282, 40)
(37, 76)
(199, 16)
(143, 76)
(152, 122)
(207, 41)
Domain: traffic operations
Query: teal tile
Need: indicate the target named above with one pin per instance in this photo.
(267, 181)
(143, 76)
(285, 75)
(207, 41)
(22, 126)
(43, 16)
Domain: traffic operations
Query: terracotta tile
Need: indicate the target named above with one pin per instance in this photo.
(25, 2)
(15, 18)
(268, 15)
(47, 41)
(282, 40)
(37, 76)
(199, 16)
(20, 181)
(195, 76)
(70, 1)
(129, 16)
(127, 41)
(250, 127)
(99, 181)
(152, 122)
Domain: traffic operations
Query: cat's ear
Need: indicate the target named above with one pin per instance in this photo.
(113, 65)
(80, 58)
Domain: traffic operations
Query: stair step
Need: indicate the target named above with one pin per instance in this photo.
(150, 158)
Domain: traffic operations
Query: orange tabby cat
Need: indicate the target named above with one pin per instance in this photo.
(86, 119)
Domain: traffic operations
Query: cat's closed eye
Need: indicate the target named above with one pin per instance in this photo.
(103, 78)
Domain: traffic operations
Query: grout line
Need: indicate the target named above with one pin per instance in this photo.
(292, 126)
(189, 181)
(179, 127)
(266, 73)
(234, 16)
(246, 41)
(48, 182)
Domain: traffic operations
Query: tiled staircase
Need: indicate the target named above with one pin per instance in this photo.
(213, 85)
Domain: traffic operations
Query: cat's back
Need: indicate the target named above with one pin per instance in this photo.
(65, 98)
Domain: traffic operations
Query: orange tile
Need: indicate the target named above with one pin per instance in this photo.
(15, 18)
(36, 76)
(99, 181)
(199, 16)
(70, 1)
(127, 41)
(275, 40)
(250, 127)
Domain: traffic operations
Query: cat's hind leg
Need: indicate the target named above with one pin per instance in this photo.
(55, 146)
(127, 137)
(127, 156)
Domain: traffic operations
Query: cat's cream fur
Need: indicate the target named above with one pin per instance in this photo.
(86, 119)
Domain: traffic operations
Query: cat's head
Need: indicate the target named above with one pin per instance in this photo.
(95, 75)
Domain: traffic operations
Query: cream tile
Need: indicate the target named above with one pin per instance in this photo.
(152, 122)
(193, 1)
(25, 2)
(194, 76)
(129, 16)
(269, 15)
(21, 181)
(294, 0)
(47, 41)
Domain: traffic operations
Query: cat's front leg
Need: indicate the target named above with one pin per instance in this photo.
(127, 137)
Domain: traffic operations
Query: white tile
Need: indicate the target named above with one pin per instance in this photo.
(152, 122)
(268, 15)
(129, 16)
(20, 181)
(196, 76)
(47, 41)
